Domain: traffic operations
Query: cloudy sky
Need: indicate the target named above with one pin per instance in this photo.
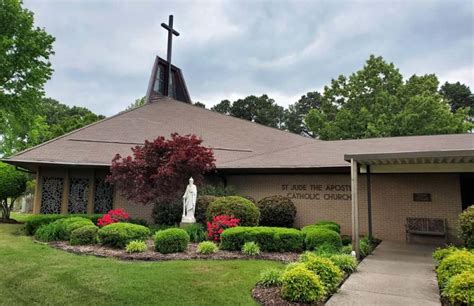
(231, 49)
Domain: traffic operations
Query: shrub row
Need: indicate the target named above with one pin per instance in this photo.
(455, 274)
(34, 222)
(120, 234)
(322, 236)
(310, 279)
(271, 239)
(270, 211)
(61, 229)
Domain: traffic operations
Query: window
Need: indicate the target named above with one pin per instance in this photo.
(159, 85)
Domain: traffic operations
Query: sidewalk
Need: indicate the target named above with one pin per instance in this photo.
(395, 274)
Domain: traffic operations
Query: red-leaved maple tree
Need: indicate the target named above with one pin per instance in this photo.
(160, 169)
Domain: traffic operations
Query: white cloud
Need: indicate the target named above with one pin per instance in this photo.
(230, 49)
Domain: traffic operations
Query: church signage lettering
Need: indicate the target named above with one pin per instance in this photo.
(318, 192)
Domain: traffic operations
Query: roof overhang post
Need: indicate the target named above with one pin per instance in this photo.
(355, 208)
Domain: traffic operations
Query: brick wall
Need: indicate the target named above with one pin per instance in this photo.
(325, 197)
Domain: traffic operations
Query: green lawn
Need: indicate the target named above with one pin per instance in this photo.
(32, 273)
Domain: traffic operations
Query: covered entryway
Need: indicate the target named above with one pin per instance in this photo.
(395, 274)
(428, 165)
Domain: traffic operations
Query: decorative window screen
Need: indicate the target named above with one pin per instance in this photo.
(51, 195)
(78, 192)
(103, 197)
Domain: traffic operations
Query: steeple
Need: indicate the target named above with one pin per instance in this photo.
(167, 79)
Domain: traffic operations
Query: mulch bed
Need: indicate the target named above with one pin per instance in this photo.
(151, 255)
(271, 297)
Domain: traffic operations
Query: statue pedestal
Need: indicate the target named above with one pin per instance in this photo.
(185, 220)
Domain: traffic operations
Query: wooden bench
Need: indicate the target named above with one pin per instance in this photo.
(426, 227)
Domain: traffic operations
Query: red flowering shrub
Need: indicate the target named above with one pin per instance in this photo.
(219, 224)
(160, 169)
(113, 216)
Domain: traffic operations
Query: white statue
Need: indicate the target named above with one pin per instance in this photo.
(189, 203)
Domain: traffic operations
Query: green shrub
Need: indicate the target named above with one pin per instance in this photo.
(167, 212)
(366, 246)
(218, 190)
(84, 235)
(119, 234)
(35, 221)
(171, 240)
(460, 288)
(235, 206)
(346, 263)
(330, 275)
(347, 249)
(319, 236)
(440, 253)
(346, 240)
(466, 226)
(207, 247)
(138, 221)
(270, 278)
(270, 239)
(196, 232)
(327, 249)
(276, 211)
(251, 249)
(301, 285)
(66, 226)
(329, 224)
(159, 227)
(46, 233)
(202, 203)
(136, 246)
(451, 265)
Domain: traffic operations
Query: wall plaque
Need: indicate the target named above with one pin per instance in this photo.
(422, 197)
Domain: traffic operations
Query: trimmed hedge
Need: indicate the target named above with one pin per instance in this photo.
(171, 240)
(34, 222)
(330, 225)
(460, 288)
(301, 285)
(270, 239)
(66, 226)
(276, 211)
(61, 229)
(321, 237)
(327, 271)
(235, 206)
(84, 235)
(453, 264)
(119, 234)
(202, 203)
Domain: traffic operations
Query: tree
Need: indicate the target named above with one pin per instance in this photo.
(160, 169)
(298, 111)
(12, 186)
(202, 105)
(137, 103)
(376, 102)
(261, 110)
(222, 107)
(458, 96)
(52, 119)
(24, 68)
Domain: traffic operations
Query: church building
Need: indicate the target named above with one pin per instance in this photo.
(396, 179)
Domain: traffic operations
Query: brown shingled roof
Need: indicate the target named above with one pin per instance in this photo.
(237, 143)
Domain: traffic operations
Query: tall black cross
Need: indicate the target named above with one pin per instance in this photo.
(171, 31)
